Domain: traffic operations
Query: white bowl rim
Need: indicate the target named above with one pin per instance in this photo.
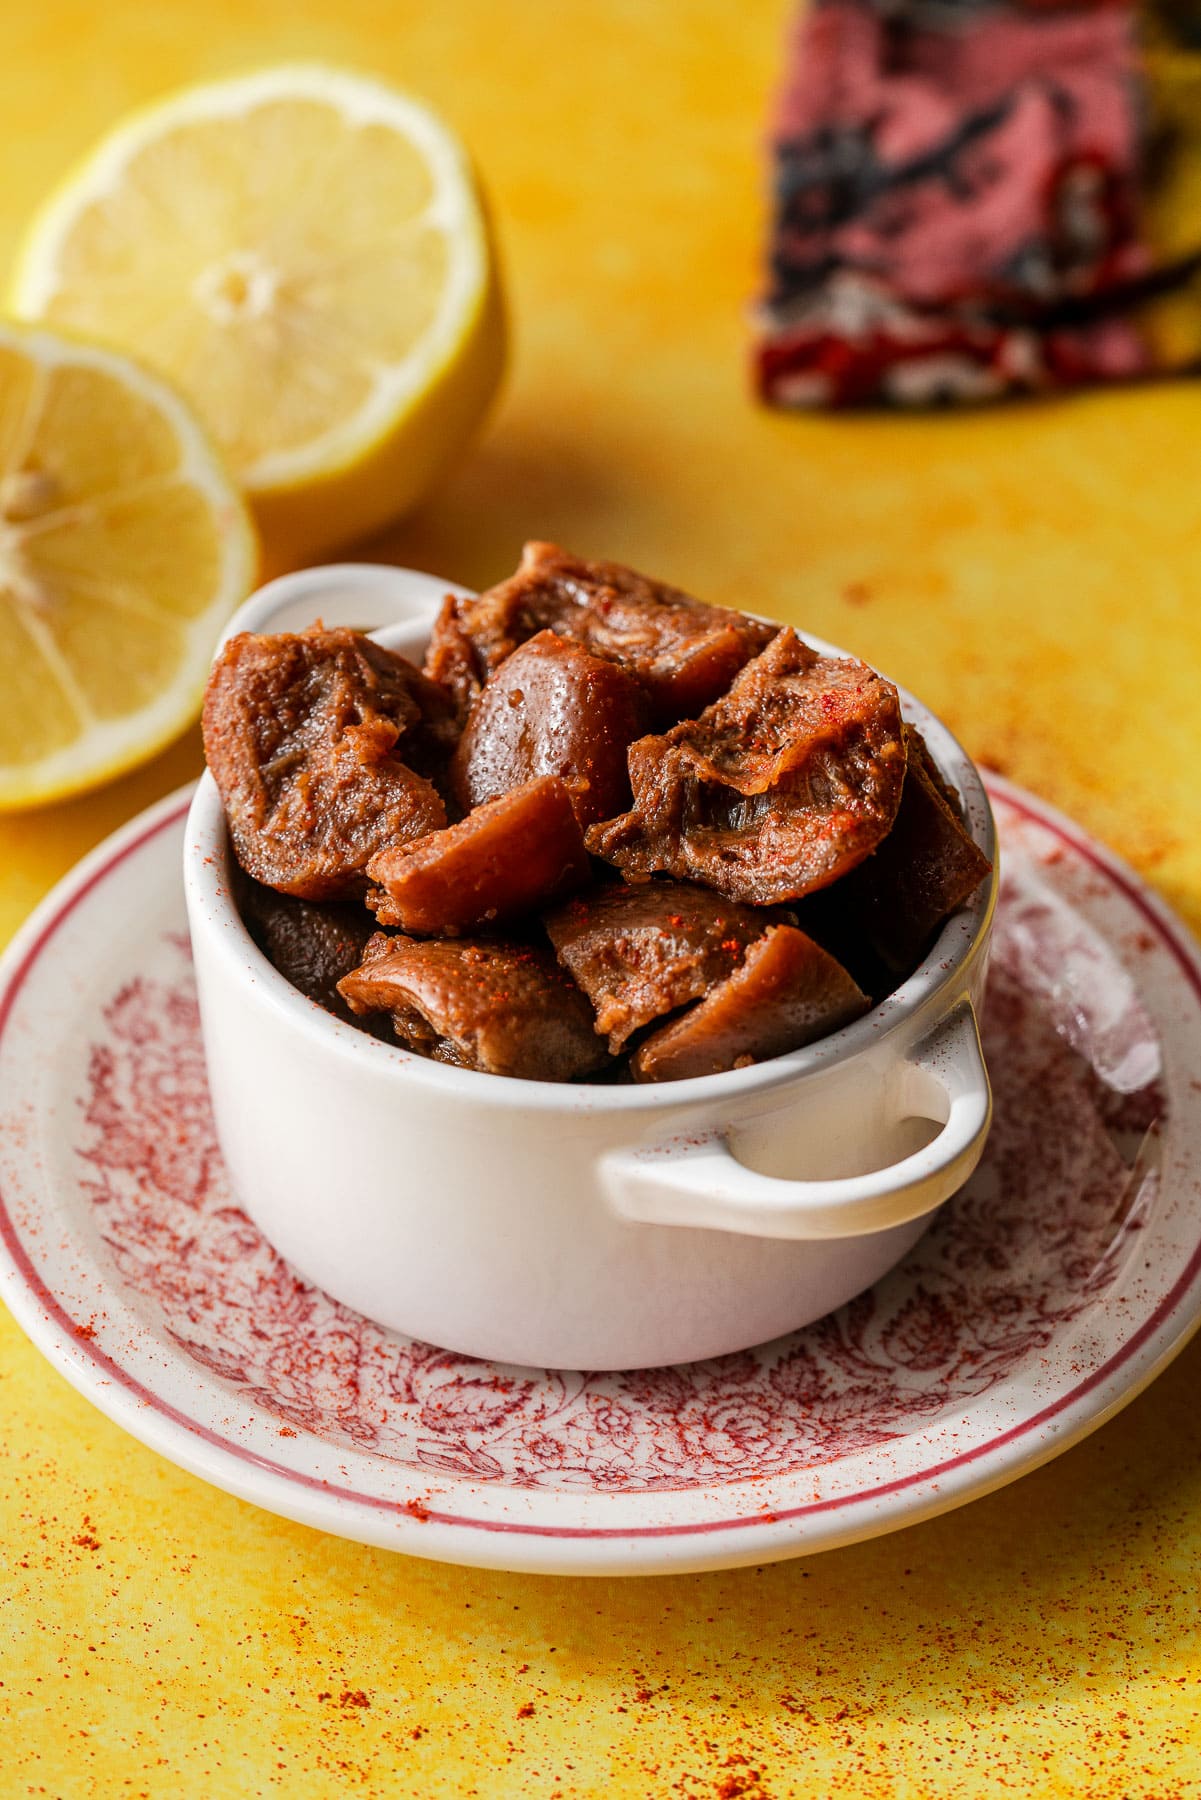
(208, 855)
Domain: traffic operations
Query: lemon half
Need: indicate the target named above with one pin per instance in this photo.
(304, 253)
(124, 547)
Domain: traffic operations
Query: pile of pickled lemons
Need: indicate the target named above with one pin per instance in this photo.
(267, 303)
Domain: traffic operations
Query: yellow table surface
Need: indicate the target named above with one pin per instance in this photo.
(1036, 575)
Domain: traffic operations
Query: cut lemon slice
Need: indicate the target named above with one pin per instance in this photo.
(304, 253)
(124, 547)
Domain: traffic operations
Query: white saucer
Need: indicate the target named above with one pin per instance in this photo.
(1048, 1293)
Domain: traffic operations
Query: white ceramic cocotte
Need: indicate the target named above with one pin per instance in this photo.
(576, 1226)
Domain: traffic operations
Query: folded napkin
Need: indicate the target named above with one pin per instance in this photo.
(976, 198)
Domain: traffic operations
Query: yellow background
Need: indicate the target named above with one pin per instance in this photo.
(1036, 575)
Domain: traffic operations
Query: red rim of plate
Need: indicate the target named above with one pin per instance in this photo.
(1168, 931)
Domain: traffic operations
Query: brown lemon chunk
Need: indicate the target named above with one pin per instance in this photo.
(306, 736)
(684, 651)
(776, 790)
(312, 944)
(640, 952)
(926, 867)
(553, 709)
(504, 1009)
(512, 856)
(785, 993)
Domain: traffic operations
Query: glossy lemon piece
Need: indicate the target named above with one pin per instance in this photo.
(124, 547)
(304, 253)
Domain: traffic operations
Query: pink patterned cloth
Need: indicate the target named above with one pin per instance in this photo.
(958, 203)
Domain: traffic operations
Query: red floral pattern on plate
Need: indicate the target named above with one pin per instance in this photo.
(1041, 1229)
